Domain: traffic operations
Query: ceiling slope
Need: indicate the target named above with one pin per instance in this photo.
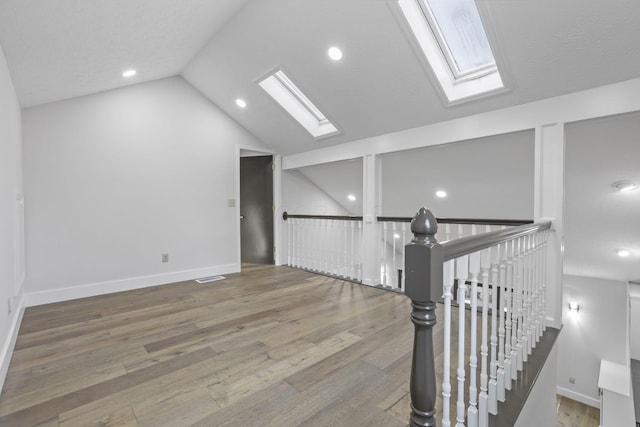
(544, 48)
(59, 49)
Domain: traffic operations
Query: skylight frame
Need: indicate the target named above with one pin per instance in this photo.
(456, 87)
(293, 100)
(475, 72)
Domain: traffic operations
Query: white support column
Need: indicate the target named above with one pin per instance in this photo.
(370, 212)
(280, 247)
(549, 205)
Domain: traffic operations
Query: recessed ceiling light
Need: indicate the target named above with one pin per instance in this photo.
(335, 53)
(396, 236)
(129, 73)
(441, 194)
(351, 197)
(623, 253)
(241, 103)
(625, 185)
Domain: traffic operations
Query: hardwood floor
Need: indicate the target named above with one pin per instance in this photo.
(272, 346)
(576, 414)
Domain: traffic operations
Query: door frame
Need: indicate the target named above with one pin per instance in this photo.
(277, 201)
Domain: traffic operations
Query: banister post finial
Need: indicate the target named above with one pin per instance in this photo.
(424, 224)
(424, 257)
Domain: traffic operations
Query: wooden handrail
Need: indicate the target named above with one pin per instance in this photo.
(286, 216)
(476, 221)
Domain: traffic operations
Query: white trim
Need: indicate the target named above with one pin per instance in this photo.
(289, 96)
(468, 86)
(617, 98)
(578, 397)
(277, 212)
(10, 343)
(101, 288)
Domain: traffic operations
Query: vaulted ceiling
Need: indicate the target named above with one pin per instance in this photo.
(59, 49)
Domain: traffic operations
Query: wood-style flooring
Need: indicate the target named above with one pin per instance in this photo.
(271, 346)
(576, 414)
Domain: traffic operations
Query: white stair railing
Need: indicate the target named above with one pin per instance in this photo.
(330, 245)
(506, 269)
(394, 233)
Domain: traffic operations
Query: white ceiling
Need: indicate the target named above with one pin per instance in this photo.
(544, 48)
(58, 49)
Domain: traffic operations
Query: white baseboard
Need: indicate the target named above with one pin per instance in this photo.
(9, 344)
(578, 397)
(102, 288)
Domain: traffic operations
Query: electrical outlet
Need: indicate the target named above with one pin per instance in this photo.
(165, 257)
(572, 380)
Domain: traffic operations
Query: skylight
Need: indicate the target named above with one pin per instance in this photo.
(454, 42)
(287, 94)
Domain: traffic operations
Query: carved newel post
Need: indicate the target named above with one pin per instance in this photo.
(423, 285)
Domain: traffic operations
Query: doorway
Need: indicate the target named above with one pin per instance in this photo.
(256, 210)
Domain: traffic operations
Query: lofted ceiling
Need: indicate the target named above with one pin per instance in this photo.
(59, 49)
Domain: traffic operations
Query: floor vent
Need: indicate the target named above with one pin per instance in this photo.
(210, 279)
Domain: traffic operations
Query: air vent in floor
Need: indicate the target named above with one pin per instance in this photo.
(210, 279)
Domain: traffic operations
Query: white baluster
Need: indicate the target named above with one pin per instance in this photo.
(510, 339)
(474, 269)
(404, 242)
(360, 250)
(530, 297)
(503, 314)
(291, 242)
(525, 298)
(462, 272)
(519, 312)
(483, 398)
(344, 265)
(302, 232)
(536, 290)
(383, 279)
(543, 318)
(493, 367)
(352, 252)
(448, 277)
(394, 271)
(538, 267)
(447, 232)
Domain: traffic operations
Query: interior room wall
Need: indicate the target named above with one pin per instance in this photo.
(302, 196)
(491, 177)
(598, 331)
(10, 185)
(119, 178)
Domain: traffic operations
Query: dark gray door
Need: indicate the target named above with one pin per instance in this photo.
(256, 209)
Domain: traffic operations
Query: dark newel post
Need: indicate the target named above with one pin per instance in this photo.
(423, 266)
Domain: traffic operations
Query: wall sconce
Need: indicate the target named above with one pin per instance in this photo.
(574, 307)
